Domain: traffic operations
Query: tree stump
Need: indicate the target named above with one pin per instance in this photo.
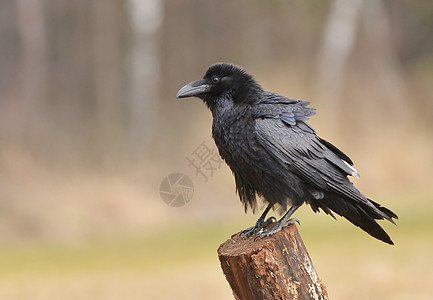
(277, 267)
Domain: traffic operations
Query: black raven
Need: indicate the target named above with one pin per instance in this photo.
(274, 153)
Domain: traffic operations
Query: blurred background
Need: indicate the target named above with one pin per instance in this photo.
(90, 127)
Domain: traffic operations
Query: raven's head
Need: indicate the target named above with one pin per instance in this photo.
(222, 81)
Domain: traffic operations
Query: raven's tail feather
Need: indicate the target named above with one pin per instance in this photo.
(390, 215)
(362, 215)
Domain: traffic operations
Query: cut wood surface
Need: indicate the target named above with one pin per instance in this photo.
(277, 267)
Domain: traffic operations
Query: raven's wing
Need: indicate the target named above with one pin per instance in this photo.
(294, 113)
(307, 157)
(282, 131)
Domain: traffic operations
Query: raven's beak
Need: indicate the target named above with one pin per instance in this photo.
(194, 89)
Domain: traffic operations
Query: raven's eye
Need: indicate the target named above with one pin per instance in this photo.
(215, 79)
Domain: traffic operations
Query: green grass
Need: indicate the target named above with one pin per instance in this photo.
(188, 243)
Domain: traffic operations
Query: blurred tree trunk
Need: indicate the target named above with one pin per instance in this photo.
(383, 76)
(143, 68)
(385, 62)
(338, 42)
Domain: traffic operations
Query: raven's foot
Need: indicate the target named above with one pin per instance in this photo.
(277, 228)
(258, 227)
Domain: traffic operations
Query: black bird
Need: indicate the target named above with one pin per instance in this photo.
(274, 153)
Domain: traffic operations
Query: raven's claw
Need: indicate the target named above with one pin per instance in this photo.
(258, 227)
(277, 228)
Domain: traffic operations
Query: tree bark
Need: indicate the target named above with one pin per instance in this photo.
(277, 267)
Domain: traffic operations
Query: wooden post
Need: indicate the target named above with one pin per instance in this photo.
(277, 267)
